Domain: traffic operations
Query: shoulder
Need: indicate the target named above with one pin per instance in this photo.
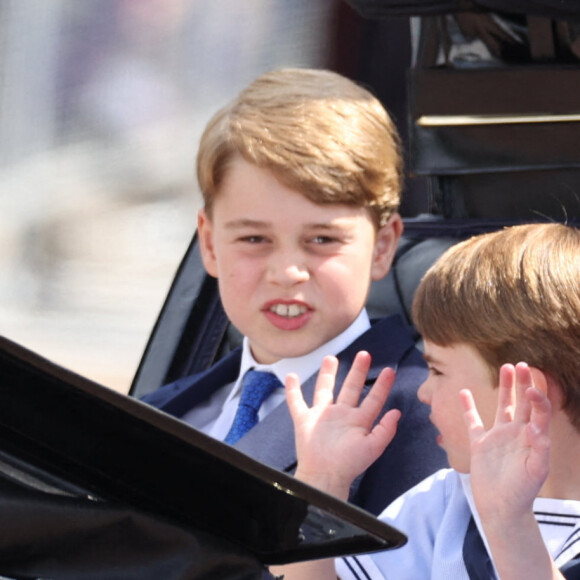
(434, 514)
(436, 493)
(431, 515)
(224, 371)
(391, 342)
(392, 327)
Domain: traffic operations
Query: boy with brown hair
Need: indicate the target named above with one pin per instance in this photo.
(301, 180)
(510, 507)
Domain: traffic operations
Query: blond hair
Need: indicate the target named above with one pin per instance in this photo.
(513, 295)
(317, 132)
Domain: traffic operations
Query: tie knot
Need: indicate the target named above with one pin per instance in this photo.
(257, 386)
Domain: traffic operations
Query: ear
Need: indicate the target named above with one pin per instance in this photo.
(540, 379)
(385, 246)
(206, 242)
(548, 385)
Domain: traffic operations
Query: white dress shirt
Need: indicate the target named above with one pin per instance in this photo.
(215, 416)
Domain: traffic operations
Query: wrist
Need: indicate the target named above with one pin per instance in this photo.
(518, 549)
(504, 524)
(325, 482)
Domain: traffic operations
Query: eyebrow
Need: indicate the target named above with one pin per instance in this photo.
(323, 226)
(250, 223)
(245, 223)
(429, 359)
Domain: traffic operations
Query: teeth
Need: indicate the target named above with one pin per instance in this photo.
(288, 310)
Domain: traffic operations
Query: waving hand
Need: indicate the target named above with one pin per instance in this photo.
(336, 441)
(509, 464)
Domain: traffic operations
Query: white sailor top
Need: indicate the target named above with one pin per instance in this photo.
(445, 539)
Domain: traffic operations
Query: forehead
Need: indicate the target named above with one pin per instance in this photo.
(461, 357)
(251, 194)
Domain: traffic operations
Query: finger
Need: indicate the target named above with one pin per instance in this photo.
(385, 430)
(506, 396)
(376, 398)
(538, 433)
(471, 416)
(324, 389)
(524, 381)
(294, 398)
(541, 411)
(355, 380)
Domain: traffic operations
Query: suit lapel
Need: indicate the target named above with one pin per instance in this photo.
(190, 391)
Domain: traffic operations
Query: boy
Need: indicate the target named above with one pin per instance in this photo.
(301, 178)
(510, 507)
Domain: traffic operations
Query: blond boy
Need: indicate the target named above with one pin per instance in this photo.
(301, 180)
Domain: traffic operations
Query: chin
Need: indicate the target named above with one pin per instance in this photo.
(461, 466)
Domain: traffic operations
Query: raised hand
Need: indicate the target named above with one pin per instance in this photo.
(509, 464)
(336, 441)
(510, 461)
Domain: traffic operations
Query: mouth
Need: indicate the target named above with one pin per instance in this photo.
(288, 310)
(437, 432)
(288, 315)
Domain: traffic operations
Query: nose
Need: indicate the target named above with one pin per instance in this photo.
(287, 268)
(424, 393)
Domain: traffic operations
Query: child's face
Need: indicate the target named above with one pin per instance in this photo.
(292, 274)
(452, 368)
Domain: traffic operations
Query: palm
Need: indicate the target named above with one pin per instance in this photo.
(338, 440)
(510, 461)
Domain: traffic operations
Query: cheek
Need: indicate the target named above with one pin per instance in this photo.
(487, 412)
(347, 277)
(448, 412)
(234, 266)
(485, 397)
(237, 297)
(237, 282)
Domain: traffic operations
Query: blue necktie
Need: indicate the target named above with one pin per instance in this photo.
(257, 386)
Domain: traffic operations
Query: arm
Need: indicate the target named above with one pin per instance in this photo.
(336, 441)
(509, 465)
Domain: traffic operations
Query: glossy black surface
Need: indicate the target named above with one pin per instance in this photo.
(63, 436)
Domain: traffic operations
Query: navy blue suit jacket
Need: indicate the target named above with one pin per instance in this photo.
(412, 455)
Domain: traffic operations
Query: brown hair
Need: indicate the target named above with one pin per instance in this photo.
(514, 295)
(317, 131)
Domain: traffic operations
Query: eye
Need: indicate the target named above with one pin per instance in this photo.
(433, 371)
(253, 239)
(323, 239)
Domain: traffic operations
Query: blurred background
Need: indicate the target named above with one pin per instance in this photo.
(102, 103)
